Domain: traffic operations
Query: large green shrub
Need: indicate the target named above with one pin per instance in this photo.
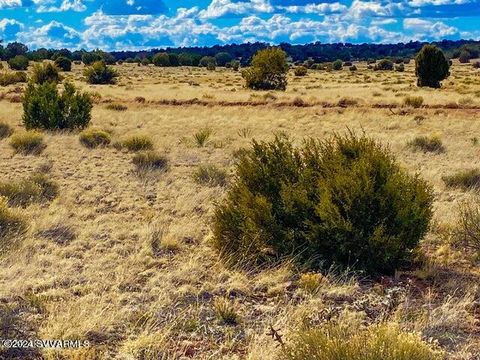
(268, 70)
(100, 73)
(45, 108)
(47, 72)
(337, 65)
(63, 63)
(431, 66)
(18, 62)
(384, 64)
(340, 201)
(222, 58)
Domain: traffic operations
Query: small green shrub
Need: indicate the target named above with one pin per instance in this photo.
(47, 72)
(27, 143)
(5, 130)
(201, 137)
(150, 160)
(93, 138)
(268, 70)
(341, 201)
(465, 180)
(337, 65)
(9, 78)
(100, 73)
(36, 189)
(300, 71)
(341, 341)
(413, 101)
(117, 107)
(12, 225)
(210, 175)
(427, 144)
(63, 63)
(18, 62)
(45, 108)
(137, 143)
(385, 65)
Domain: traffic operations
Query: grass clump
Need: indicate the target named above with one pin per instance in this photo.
(27, 143)
(150, 160)
(43, 73)
(136, 143)
(210, 175)
(335, 341)
(94, 138)
(45, 108)
(117, 107)
(467, 231)
(201, 137)
(12, 77)
(341, 201)
(466, 180)
(427, 144)
(36, 189)
(225, 311)
(413, 101)
(12, 225)
(5, 130)
(300, 71)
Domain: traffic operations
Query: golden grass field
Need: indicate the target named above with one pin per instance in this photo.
(123, 259)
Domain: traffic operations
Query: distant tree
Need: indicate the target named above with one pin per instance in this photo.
(268, 70)
(464, 57)
(62, 53)
(431, 66)
(174, 60)
(161, 59)
(18, 62)
(207, 61)
(15, 49)
(146, 61)
(63, 63)
(88, 58)
(222, 58)
(185, 59)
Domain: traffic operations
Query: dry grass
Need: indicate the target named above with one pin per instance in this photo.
(125, 261)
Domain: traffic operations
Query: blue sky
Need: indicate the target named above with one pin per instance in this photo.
(140, 24)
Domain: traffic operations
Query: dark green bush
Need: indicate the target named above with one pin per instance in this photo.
(100, 73)
(431, 66)
(268, 70)
(43, 73)
(208, 61)
(223, 58)
(63, 63)
(18, 62)
(9, 78)
(93, 138)
(340, 201)
(45, 108)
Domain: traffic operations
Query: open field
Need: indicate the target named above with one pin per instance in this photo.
(123, 258)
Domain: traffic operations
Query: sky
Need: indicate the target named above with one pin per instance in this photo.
(142, 24)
